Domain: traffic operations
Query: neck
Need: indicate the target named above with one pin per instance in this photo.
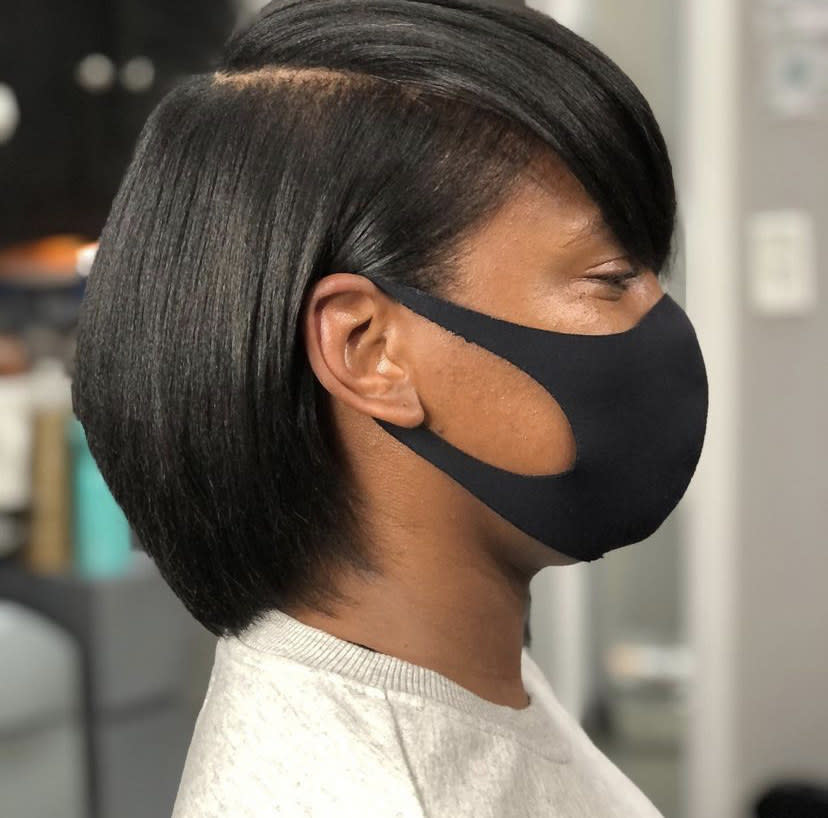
(466, 626)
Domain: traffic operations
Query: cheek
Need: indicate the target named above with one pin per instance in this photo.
(494, 411)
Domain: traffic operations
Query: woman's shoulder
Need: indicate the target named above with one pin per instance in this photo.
(274, 738)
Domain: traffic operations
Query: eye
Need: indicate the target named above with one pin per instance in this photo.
(618, 280)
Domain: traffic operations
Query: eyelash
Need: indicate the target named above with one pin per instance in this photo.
(618, 280)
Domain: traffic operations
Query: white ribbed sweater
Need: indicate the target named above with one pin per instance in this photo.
(298, 723)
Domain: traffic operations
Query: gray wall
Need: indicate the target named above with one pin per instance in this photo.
(782, 563)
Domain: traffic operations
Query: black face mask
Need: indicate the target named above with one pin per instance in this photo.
(637, 405)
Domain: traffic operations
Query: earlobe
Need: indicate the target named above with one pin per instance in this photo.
(347, 326)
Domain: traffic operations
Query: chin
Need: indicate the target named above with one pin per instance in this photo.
(556, 558)
(545, 556)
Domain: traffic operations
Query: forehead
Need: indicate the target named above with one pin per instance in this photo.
(546, 231)
(549, 195)
(547, 214)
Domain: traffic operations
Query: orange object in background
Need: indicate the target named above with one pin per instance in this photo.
(49, 257)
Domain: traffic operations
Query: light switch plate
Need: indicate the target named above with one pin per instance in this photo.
(782, 262)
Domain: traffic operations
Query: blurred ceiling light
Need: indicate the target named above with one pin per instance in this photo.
(95, 73)
(9, 113)
(137, 74)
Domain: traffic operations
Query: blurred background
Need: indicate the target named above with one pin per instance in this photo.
(696, 660)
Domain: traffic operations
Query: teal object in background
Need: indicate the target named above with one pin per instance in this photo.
(100, 532)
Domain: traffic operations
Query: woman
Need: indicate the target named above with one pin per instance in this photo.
(376, 332)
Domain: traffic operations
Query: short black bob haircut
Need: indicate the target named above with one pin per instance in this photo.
(333, 136)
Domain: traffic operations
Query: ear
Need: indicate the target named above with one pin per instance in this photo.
(355, 341)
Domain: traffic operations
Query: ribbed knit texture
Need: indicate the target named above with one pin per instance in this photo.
(297, 723)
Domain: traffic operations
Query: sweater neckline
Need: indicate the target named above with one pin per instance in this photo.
(541, 724)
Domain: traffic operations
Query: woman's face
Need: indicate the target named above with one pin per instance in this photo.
(544, 260)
